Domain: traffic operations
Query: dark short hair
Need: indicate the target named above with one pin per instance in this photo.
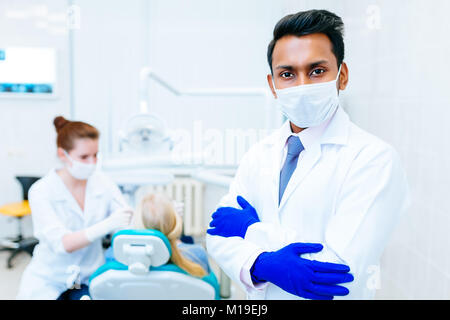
(309, 22)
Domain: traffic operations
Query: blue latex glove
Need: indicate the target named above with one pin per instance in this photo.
(305, 278)
(231, 222)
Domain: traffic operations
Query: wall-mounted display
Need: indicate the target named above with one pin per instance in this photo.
(26, 71)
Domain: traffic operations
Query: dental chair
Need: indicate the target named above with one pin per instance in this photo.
(140, 272)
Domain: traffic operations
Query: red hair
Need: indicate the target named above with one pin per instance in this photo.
(69, 131)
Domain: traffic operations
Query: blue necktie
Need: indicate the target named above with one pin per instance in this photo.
(295, 146)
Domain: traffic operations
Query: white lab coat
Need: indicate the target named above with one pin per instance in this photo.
(347, 193)
(55, 213)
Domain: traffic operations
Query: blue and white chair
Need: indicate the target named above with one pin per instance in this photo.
(140, 272)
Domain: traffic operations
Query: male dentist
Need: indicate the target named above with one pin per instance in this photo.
(312, 206)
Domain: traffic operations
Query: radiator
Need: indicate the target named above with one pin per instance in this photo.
(190, 192)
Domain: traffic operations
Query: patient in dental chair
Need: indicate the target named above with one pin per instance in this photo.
(157, 211)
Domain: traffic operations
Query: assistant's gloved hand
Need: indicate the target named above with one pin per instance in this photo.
(305, 278)
(231, 222)
(118, 219)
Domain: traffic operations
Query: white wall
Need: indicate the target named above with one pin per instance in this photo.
(115, 41)
(27, 142)
(211, 44)
(109, 49)
(397, 53)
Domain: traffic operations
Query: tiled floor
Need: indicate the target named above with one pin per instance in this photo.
(10, 278)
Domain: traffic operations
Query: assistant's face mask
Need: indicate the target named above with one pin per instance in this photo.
(309, 105)
(80, 170)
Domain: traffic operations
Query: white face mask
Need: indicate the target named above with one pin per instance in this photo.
(309, 105)
(80, 170)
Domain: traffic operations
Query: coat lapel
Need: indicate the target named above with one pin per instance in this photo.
(304, 166)
(274, 145)
(335, 131)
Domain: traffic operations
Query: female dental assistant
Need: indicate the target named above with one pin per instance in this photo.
(72, 209)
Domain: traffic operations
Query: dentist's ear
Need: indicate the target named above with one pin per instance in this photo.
(343, 78)
(269, 80)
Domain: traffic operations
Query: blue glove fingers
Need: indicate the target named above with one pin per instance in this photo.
(213, 223)
(218, 222)
(244, 205)
(212, 232)
(326, 290)
(328, 267)
(215, 215)
(226, 210)
(313, 296)
(218, 215)
(219, 212)
(242, 202)
(331, 278)
(300, 247)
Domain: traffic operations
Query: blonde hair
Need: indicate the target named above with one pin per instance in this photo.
(156, 211)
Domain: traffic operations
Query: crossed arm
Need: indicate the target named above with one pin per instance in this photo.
(372, 199)
(285, 267)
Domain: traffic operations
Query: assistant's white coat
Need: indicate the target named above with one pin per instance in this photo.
(55, 213)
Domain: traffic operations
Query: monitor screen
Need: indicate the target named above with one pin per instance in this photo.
(27, 71)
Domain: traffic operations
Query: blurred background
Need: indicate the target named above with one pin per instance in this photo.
(197, 70)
